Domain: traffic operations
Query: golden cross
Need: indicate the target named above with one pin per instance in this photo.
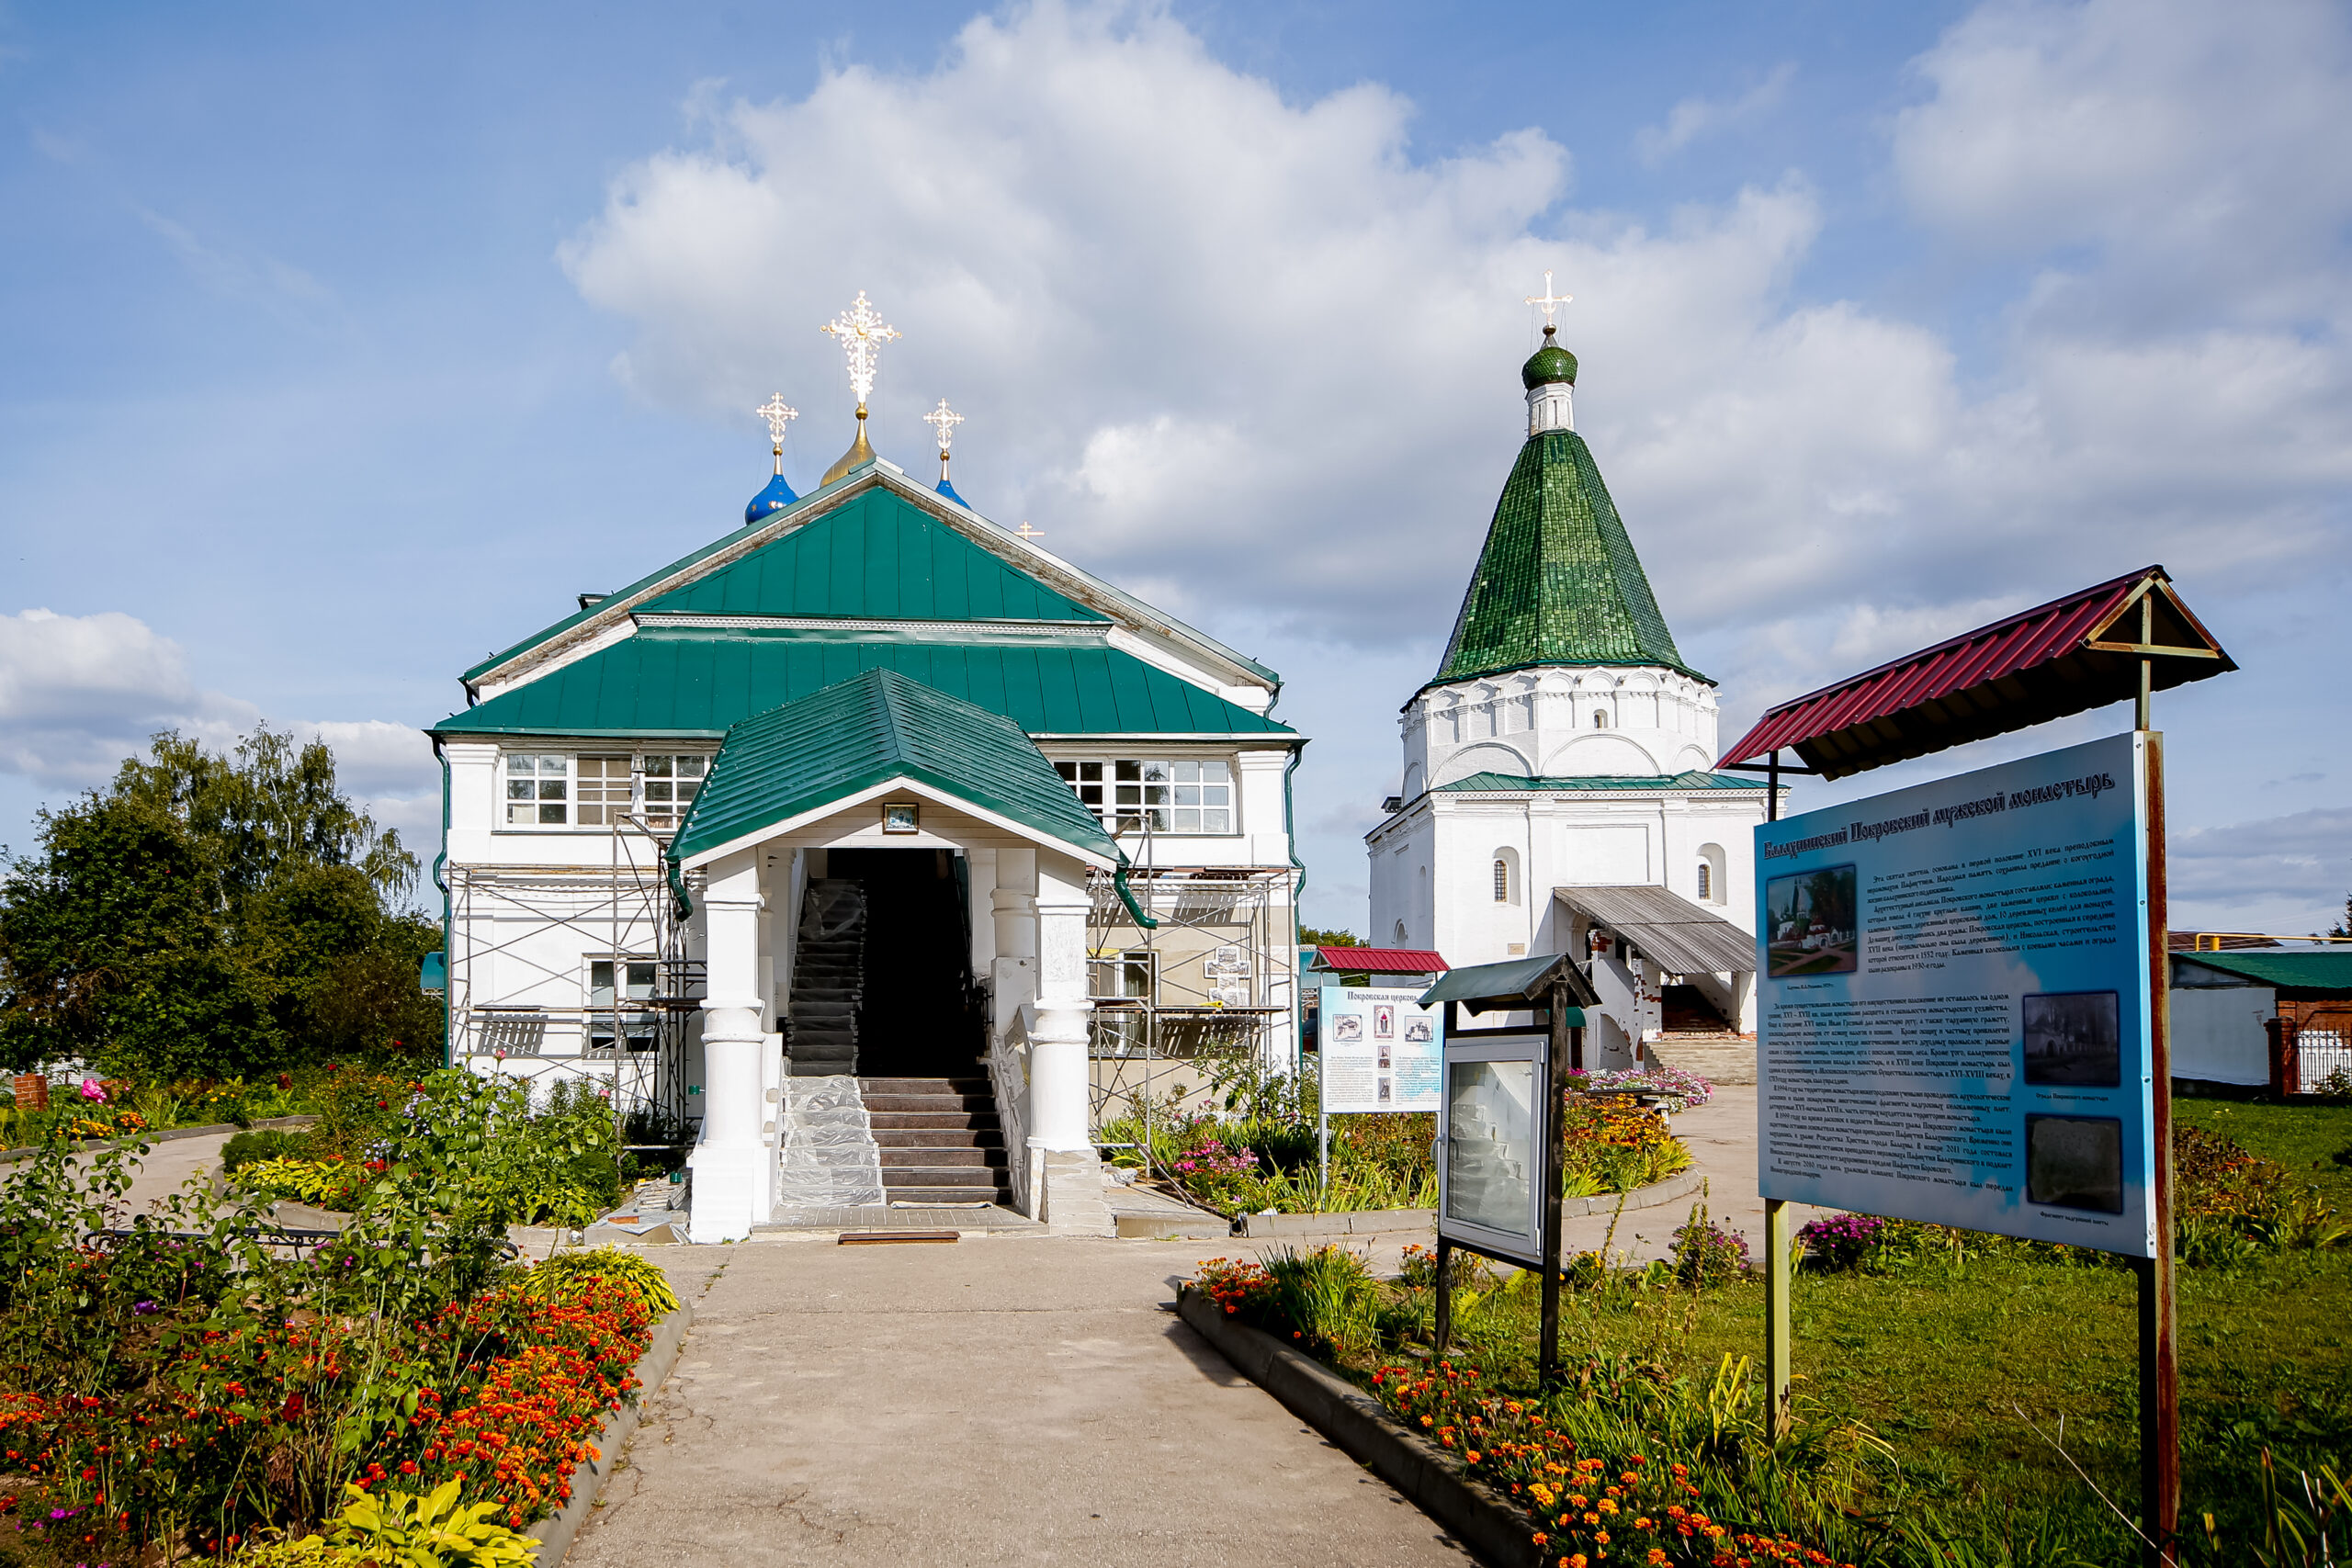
(943, 419)
(1550, 301)
(778, 413)
(1026, 532)
(860, 332)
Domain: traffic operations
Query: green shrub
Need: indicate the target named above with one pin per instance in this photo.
(395, 1529)
(259, 1144)
(562, 1274)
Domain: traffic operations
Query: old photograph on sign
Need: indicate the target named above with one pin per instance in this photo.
(1812, 921)
(2074, 1162)
(2074, 1038)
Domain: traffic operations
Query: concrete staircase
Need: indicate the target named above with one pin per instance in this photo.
(827, 980)
(939, 1139)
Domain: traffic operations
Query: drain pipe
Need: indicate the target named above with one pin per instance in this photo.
(448, 913)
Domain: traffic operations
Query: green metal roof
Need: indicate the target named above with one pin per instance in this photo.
(2310, 971)
(1521, 980)
(1557, 580)
(1697, 778)
(700, 681)
(894, 492)
(871, 730)
(876, 557)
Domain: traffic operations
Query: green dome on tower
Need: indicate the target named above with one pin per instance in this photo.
(1548, 363)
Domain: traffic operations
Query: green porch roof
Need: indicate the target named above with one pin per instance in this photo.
(700, 681)
(1697, 778)
(868, 730)
(1557, 580)
(2305, 971)
(876, 557)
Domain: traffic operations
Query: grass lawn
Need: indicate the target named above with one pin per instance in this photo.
(1955, 1359)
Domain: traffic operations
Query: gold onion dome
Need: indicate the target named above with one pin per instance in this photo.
(860, 332)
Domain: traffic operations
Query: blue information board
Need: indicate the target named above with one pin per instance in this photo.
(1953, 1021)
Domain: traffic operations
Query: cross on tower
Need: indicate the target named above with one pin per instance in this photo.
(1550, 301)
(778, 413)
(861, 333)
(943, 419)
(1026, 532)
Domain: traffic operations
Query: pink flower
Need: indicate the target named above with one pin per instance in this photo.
(93, 1089)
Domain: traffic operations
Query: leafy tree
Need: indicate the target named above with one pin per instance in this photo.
(1309, 937)
(212, 914)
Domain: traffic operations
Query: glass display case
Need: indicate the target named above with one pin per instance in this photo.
(1492, 1137)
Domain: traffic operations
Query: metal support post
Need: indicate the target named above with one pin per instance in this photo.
(1555, 1165)
(1444, 1329)
(2159, 1361)
(1780, 1239)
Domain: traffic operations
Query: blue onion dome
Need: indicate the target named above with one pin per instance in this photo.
(949, 491)
(775, 498)
(1551, 362)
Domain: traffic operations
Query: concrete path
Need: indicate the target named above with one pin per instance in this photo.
(998, 1400)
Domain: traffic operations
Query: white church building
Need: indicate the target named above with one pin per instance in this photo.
(867, 843)
(1559, 791)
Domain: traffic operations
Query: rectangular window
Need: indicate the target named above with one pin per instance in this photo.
(539, 790)
(601, 790)
(1168, 796)
(1125, 976)
(669, 784)
(637, 985)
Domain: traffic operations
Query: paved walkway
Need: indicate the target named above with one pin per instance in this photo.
(999, 1401)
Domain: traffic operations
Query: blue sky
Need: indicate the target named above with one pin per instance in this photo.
(342, 346)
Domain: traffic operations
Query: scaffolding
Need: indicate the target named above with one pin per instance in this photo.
(636, 990)
(1214, 977)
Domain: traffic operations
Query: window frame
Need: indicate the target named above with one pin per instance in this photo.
(584, 793)
(1123, 791)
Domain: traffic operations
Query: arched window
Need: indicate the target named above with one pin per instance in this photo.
(1502, 880)
(1712, 864)
(1401, 938)
(1599, 719)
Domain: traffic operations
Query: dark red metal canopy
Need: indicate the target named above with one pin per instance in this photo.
(2071, 655)
(1380, 961)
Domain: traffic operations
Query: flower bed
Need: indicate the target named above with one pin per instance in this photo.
(1587, 1503)
(176, 1382)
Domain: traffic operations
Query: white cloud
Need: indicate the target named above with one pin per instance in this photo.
(79, 694)
(1695, 117)
(1254, 357)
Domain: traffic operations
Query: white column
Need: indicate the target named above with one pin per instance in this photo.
(1059, 1109)
(733, 1173)
(1012, 905)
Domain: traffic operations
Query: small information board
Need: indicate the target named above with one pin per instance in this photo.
(1954, 1007)
(1380, 1050)
(1492, 1134)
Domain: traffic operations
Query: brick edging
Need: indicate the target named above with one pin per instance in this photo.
(555, 1531)
(168, 1135)
(1473, 1512)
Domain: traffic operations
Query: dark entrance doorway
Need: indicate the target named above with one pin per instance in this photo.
(920, 1014)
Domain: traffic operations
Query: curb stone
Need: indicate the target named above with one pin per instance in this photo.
(1475, 1513)
(1368, 1221)
(555, 1532)
(169, 1136)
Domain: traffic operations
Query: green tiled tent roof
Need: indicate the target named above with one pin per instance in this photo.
(868, 730)
(702, 681)
(875, 557)
(1557, 582)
